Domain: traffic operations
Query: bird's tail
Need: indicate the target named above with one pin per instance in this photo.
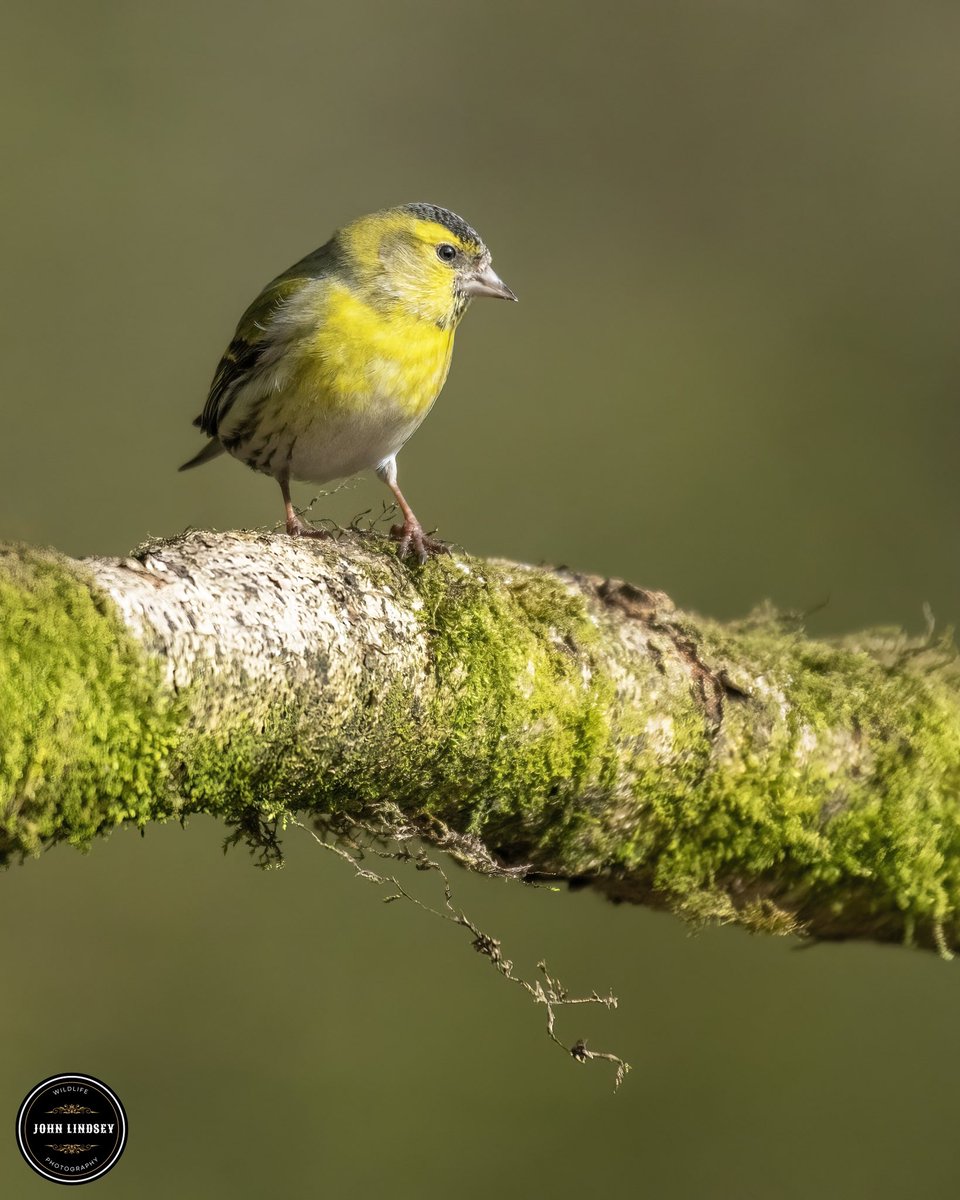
(211, 450)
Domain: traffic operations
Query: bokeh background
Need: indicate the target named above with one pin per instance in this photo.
(733, 374)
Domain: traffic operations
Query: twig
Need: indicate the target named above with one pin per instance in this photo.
(550, 992)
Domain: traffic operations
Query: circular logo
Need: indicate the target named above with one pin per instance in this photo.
(71, 1128)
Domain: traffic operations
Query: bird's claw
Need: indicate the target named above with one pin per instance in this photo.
(410, 536)
(298, 528)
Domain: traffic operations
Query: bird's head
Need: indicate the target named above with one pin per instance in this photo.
(422, 258)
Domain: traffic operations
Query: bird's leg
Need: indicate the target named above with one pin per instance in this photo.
(410, 534)
(296, 527)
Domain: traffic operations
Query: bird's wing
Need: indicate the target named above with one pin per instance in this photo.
(262, 330)
(255, 336)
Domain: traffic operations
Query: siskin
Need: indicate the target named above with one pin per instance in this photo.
(340, 358)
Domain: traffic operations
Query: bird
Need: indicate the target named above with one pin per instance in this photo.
(340, 358)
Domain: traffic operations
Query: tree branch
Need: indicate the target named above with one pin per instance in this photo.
(527, 720)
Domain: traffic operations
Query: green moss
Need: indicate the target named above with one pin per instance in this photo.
(505, 740)
(85, 733)
(522, 701)
(251, 774)
(781, 805)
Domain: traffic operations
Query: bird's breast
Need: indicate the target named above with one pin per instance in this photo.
(362, 356)
(352, 387)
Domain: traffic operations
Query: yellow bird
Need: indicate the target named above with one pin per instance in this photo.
(340, 358)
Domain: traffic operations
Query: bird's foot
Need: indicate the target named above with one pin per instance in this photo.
(411, 537)
(298, 528)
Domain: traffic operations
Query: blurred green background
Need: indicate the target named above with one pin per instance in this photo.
(733, 375)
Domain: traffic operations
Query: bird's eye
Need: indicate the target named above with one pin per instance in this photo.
(446, 252)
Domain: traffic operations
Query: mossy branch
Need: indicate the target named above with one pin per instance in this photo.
(527, 720)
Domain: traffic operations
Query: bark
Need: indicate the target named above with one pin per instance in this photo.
(559, 725)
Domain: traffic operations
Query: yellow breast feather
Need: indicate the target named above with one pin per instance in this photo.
(360, 356)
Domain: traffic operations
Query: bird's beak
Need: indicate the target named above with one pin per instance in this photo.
(487, 283)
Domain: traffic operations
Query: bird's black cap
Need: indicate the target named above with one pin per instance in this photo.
(449, 220)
